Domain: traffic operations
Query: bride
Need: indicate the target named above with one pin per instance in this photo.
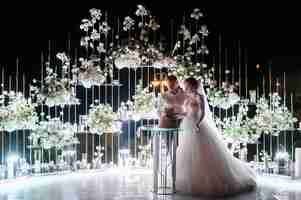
(204, 165)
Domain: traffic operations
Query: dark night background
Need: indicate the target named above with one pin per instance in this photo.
(269, 32)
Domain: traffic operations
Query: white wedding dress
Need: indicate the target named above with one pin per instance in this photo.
(204, 165)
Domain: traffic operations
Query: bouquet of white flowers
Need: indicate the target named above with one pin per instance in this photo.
(19, 114)
(224, 97)
(144, 102)
(55, 91)
(101, 118)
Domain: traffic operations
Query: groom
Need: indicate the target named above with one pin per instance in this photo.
(173, 100)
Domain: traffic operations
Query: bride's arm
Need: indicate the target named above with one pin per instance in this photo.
(202, 107)
(197, 106)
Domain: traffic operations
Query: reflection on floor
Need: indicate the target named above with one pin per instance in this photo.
(114, 184)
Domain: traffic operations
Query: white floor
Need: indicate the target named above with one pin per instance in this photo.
(114, 184)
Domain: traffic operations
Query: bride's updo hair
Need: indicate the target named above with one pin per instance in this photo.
(193, 83)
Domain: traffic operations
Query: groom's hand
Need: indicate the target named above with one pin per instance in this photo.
(171, 116)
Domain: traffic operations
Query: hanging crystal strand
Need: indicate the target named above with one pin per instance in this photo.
(48, 115)
(292, 133)
(220, 61)
(214, 79)
(226, 75)
(233, 72)
(48, 65)
(112, 102)
(257, 98)
(75, 106)
(233, 75)
(239, 68)
(142, 120)
(42, 89)
(129, 120)
(23, 131)
(148, 83)
(220, 69)
(270, 99)
(42, 85)
(17, 90)
(92, 134)
(246, 73)
(10, 133)
(2, 132)
(278, 136)
(118, 88)
(99, 93)
(264, 96)
(106, 94)
(135, 123)
(70, 91)
(226, 66)
(69, 76)
(86, 131)
(55, 107)
(100, 136)
(284, 105)
(129, 99)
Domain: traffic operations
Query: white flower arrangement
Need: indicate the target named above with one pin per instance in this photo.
(273, 117)
(224, 97)
(54, 134)
(101, 119)
(140, 51)
(190, 50)
(90, 74)
(55, 91)
(236, 129)
(144, 102)
(19, 114)
(127, 58)
(95, 69)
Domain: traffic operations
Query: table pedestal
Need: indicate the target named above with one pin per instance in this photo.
(164, 159)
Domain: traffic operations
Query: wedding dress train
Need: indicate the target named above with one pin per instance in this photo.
(204, 165)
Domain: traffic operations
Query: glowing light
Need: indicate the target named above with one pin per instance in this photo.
(11, 165)
(124, 155)
(12, 158)
(281, 156)
(156, 83)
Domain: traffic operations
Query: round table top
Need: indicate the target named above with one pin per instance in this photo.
(157, 129)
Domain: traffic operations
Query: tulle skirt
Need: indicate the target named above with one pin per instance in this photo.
(205, 166)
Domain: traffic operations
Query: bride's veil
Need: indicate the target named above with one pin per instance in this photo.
(208, 114)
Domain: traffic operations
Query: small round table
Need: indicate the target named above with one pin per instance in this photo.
(164, 158)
